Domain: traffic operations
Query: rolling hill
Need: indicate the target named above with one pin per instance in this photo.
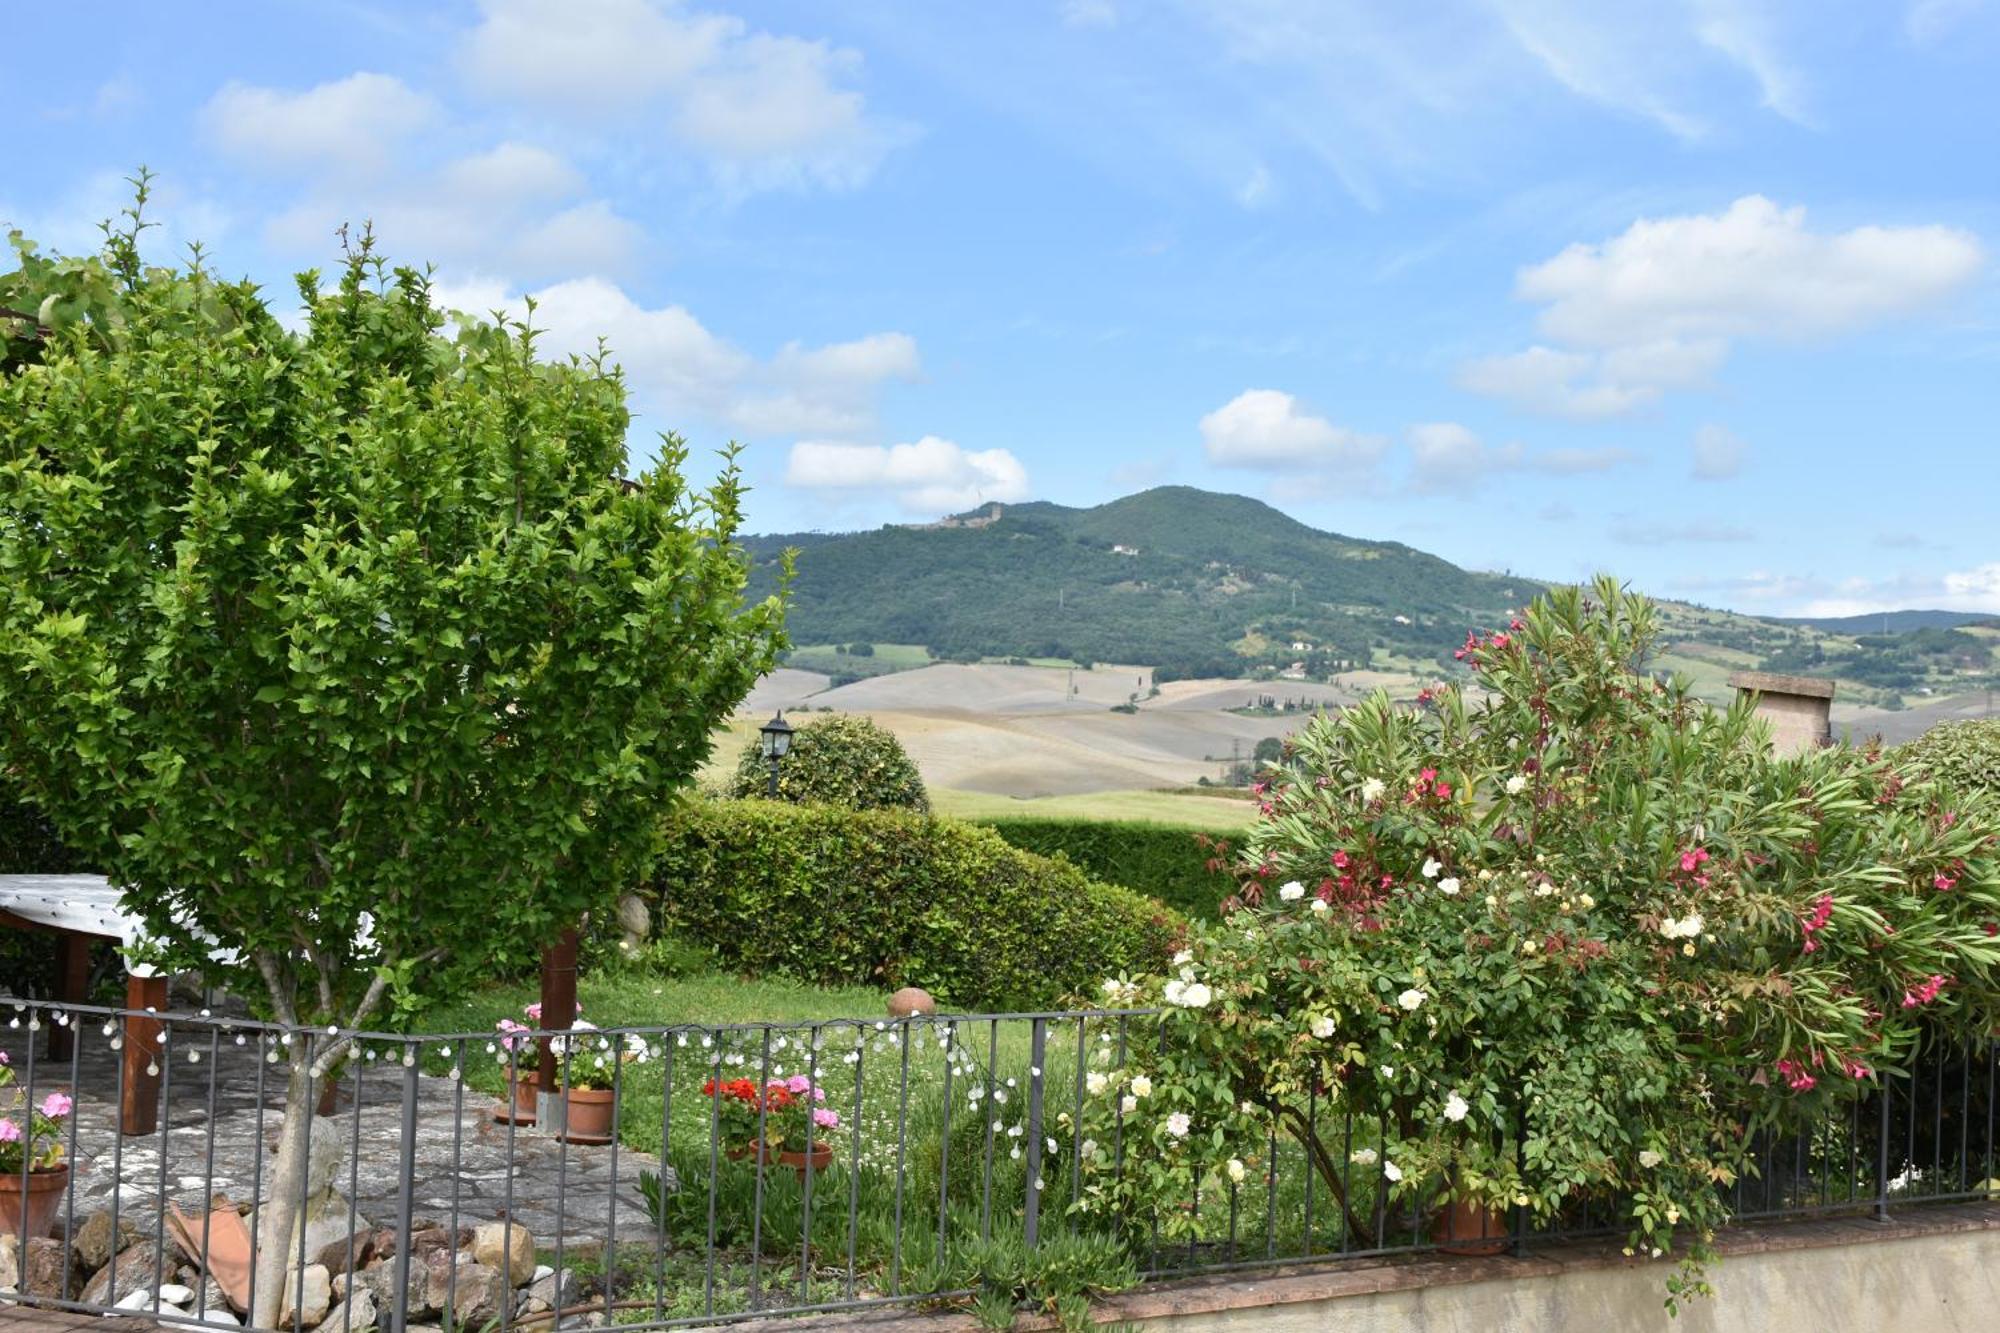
(1195, 584)
(1187, 581)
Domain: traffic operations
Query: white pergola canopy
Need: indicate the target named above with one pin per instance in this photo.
(83, 904)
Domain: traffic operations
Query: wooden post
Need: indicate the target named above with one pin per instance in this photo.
(558, 1002)
(72, 988)
(139, 1112)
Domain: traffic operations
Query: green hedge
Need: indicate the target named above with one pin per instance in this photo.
(887, 898)
(1182, 867)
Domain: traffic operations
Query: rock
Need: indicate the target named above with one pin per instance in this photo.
(343, 1253)
(467, 1293)
(911, 1000)
(308, 1296)
(357, 1315)
(94, 1241)
(43, 1273)
(507, 1246)
(136, 1270)
(220, 1317)
(173, 1293)
(547, 1292)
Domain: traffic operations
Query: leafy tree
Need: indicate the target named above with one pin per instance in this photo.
(1270, 750)
(837, 759)
(346, 651)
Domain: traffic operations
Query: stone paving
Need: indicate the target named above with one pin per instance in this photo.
(220, 1128)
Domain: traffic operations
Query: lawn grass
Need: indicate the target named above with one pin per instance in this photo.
(1220, 813)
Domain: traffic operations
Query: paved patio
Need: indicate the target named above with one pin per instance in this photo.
(219, 1126)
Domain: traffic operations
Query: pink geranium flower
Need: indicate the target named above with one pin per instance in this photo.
(9, 1132)
(56, 1105)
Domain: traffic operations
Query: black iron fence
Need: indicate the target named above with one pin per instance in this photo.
(444, 1186)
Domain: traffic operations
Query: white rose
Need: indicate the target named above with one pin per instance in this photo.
(1448, 887)
(1431, 867)
(1585, 901)
(1372, 789)
(1319, 905)
(1362, 1157)
(1411, 999)
(1196, 996)
(1128, 1104)
(1174, 991)
(1097, 1082)
(1455, 1107)
(1391, 1172)
(1237, 1171)
(1178, 1123)
(1142, 1086)
(1322, 1027)
(1110, 987)
(1292, 892)
(1649, 1159)
(1691, 926)
(1515, 784)
(1184, 956)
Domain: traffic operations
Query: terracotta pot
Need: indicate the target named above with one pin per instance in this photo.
(589, 1115)
(38, 1202)
(519, 1109)
(822, 1156)
(1465, 1227)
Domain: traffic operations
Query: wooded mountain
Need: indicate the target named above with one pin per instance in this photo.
(1188, 581)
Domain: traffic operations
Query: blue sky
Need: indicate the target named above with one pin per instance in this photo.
(1702, 292)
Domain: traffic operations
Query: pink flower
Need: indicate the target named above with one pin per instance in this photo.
(826, 1119)
(56, 1105)
(797, 1084)
(1942, 882)
(1796, 1076)
(1924, 991)
(1689, 860)
(9, 1132)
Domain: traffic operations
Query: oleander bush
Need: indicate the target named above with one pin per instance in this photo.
(892, 898)
(1965, 755)
(1188, 869)
(837, 759)
(1574, 938)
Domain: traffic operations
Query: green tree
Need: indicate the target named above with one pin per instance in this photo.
(347, 652)
(837, 759)
(1270, 750)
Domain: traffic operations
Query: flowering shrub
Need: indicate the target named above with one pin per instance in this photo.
(1573, 938)
(587, 1058)
(777, 1114)
(38, 1142)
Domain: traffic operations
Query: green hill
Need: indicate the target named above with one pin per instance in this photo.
(1193, 583)
(1187, 581)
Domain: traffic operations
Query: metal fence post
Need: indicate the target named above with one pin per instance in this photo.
(1031, 1216)
(406, 1199)
(1882, 1157)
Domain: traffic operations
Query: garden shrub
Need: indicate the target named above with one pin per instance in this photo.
(1965, 755)
(1185, 868)
(1572, 941)
(889, 898)
(837, 759)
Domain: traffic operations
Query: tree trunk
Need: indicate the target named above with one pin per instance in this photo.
(278, 1210)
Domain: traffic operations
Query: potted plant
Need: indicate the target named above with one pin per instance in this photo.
(523, 1078)
(33, 1173)
(589, 1064)
(785, 1121)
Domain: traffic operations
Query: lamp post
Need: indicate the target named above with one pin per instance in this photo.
(777, 735)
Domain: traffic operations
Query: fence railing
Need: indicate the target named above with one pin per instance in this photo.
(909, 1145)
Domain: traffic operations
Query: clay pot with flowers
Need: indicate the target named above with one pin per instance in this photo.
(588, 1065)
(517, 1056)
(785, 1121)
(33, 1174)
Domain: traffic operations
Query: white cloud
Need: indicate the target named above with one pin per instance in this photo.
(347, 124)
(509, 172)
(1088, 13)
(1743, 33)
(1267, 429)
(1446, 457)
(1648, 532)
(1718, 453)
(763, 109)
(1975, 589)
(1258, 188)
(931, 476)
(1657, 307)
(1928, 21)
(678, 368)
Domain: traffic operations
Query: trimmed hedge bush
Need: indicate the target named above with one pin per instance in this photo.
(892, 899)
(1185, 868)
(838, 759)
(1962, 754)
